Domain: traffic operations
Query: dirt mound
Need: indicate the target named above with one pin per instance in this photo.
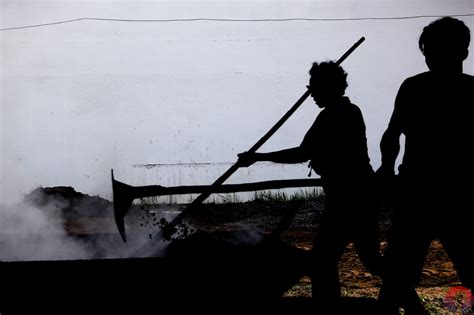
(68, 202)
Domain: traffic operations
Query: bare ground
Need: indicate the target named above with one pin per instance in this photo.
(438, 273)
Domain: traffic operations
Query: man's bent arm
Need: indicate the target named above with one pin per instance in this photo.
(389, 148)
(287, 156)
(390, 143)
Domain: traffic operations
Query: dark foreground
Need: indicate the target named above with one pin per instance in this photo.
(199, 274)
(208, 272)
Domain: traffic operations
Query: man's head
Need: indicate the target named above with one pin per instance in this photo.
(445, 43)
(327, 83)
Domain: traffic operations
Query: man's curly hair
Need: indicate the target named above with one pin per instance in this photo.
(331, 74)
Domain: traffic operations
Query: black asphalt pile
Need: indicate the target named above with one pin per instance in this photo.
(68, 202)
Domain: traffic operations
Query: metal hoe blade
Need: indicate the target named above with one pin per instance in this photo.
(122, 202)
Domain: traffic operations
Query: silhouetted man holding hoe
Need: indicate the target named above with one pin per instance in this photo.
(435, 112)
(336, 145)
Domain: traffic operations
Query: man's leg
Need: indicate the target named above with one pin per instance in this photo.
(328, 247)
(409, 241)
(456, 235)
(365, 234)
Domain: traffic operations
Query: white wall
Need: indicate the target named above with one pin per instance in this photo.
(78, 99)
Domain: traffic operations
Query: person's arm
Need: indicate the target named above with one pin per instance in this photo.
(390, 143)
(389, 148)
(287, 156)
(294, 155)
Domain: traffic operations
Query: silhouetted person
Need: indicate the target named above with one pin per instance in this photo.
(336, 145)
(434, 110)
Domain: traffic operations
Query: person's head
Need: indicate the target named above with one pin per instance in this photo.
(445, 43)
(327, 83)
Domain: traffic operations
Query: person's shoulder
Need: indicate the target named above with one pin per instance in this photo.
(467, 77)
(415, 82)
(353, 108)
(466, 85)
(417, 78)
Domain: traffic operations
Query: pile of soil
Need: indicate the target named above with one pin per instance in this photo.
(68, 202)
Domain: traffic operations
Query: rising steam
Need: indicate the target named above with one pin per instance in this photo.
(47, 226)
(28, 233)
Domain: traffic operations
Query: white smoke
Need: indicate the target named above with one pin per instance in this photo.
(38, 230)
(61, 224)
(28, 233)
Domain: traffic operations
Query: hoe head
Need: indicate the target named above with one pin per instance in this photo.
(123, 198)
